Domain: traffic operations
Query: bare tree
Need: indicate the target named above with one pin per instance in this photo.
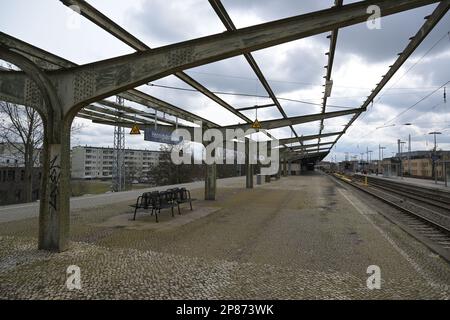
(165, 172)
(21, 130)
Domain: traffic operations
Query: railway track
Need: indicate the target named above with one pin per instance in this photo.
(424, 215)
(424, 194)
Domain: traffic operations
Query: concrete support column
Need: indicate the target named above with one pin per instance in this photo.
(279, 168)
(249, 168)
(54, 210)
(284, 166)
(289, 171)
(210, 181)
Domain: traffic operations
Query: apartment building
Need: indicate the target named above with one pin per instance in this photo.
(97, 162)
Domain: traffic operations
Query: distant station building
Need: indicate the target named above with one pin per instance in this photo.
(97, 162)
(421, 163)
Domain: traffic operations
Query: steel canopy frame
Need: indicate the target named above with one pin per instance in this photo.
(333, 41)
(92, 14)
(415, 41)
(229, 25)
(50, 61)
(69, 89)
(107, 24)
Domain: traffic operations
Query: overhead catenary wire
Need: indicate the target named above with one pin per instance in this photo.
(415, 64)
(302, 83)
(408, 109)
(245, 95)
(415, 104)
(407, 71)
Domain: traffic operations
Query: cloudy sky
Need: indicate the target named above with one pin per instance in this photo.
(295, 70)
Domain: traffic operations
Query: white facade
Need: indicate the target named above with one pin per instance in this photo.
(97, 162)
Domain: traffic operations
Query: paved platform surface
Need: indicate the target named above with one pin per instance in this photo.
(417, 182)
(28, 210)
(301, 237)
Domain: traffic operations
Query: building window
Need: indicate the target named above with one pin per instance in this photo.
(11, 175)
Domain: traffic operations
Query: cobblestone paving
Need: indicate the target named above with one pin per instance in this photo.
(297, 238)
(133, 274)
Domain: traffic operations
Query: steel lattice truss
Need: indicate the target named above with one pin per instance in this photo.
(106, 112)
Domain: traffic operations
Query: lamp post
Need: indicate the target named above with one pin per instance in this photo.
(362, 160)
(434, 156)
(380, 156)
(400, 150)
(409, 150)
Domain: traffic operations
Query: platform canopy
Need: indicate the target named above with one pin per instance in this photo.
(61, 90)
(100, 110)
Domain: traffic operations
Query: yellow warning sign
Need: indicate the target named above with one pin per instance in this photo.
(256, 124)
(135, 129)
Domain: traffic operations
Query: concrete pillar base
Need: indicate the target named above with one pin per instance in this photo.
(249, 177)
(54, 207)
(210, 182)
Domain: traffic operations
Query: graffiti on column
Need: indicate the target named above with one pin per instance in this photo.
(55, 173)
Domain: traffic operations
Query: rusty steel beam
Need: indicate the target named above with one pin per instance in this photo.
(311, 137)
(306, 146)
(229, 25)
(50, 61)
(120, 114)
(279, 123)
(112, 76)
(101, 20)
(256, 107)
(333, 41)
(431, 21)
